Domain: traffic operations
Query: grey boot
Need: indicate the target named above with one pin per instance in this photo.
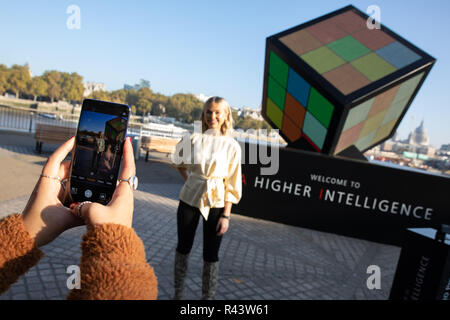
(209, 279)
(180, 271)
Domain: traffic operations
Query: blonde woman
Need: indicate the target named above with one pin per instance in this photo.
(210, 164)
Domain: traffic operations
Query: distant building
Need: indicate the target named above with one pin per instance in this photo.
(445, 147)
(202, 97)
(90, 87)
(419, 136)
(250, 112)
(417, 145)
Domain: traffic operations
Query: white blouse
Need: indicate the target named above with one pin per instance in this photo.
(214, 163)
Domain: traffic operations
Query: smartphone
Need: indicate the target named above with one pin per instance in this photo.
(97, 154)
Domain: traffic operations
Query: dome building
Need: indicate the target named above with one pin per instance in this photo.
(419, 136)
(417, 145)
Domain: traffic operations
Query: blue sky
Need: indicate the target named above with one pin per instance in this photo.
(94, 121)
(209, 47)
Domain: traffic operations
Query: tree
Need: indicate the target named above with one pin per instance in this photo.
(119, 96)
(158, 109)
(37, 87)
(4, 75)
(99, 95)
(53, 79)
(72, 88)
(143, 106)
(18, 79)
(145, 93)
(181, 106)
(132, 97)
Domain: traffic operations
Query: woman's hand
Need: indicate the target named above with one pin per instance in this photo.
(222, 226)
(44, 216)
(120, 209)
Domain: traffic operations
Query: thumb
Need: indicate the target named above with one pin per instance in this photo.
(54, 161)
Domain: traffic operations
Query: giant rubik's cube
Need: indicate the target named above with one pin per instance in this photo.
(332, 83)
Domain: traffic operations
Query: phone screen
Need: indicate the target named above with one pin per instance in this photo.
(98, 150)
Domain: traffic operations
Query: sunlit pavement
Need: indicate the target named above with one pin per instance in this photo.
(258, 259)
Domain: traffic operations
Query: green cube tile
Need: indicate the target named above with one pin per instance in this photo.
(348, 48)
(407, 88)
(320, 107)
(274, 113)
(358, 114)
(276, 92)
(278, 69)
(314, 130)
(322, 59)
(373, 66)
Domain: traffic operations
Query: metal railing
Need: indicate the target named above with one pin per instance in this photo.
(17, 119)
(25, 119)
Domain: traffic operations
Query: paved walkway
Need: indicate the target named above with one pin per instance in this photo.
(259, 259)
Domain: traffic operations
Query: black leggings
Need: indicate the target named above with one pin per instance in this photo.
(187, 222)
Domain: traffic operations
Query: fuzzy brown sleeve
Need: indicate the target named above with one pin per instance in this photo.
(113, 266)
(18, 252)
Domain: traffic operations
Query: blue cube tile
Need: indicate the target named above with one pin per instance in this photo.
(298, 87)
(398, 55)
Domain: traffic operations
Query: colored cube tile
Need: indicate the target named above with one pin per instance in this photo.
(346, 78)
(278, 69)
(276, 93)
(384, 131)
(407, 88)
(294, 110)
(373, 39)
(274, 113)
(358, 114)
(395, 110)
(364, 142)
(301, 42)
(298, 87)
(373, 66)
(314, 130)
(290, 129)
(349, 136)
(349, 21)
(372, 123)
(320, 107)
(348, 48)
(383, 101)
(334, 83)
(398, 55)
(323, 59)
(326, 31)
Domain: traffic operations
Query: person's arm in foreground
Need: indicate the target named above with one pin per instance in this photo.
(42, 220)
(113, 264)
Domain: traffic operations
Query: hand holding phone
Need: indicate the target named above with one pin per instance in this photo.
(44, 216)
(120, 209)
(98, 151)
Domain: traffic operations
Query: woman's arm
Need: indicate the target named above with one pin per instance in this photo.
(113, 266)
(18, 251)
